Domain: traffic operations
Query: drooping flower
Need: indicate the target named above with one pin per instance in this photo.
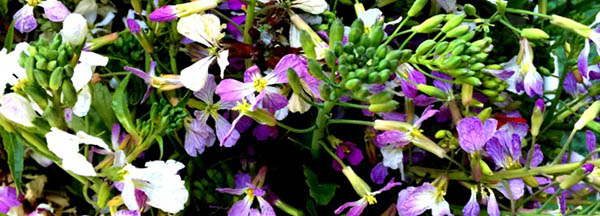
(590, 141)
(74, 29)
(591, 33)
(171, 12)
(66, 147)
(253, 189)
(572, 86)
(255, 87)
(205, 29)
(472, 207)
(364, 191)
(54, 11)
(473, 134)
(160, 183)
(82, 75)
(163, 82)
(520, 74)
(512, 189)
(414, 201)
(8, 199)
(199, 134)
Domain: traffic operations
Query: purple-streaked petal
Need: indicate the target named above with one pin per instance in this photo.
(232, 191)
(233, 90)
(590, 141)
(356, 208)
(54, 10)
(133, 26)
(207, 92)
(537, 156)
(293, 61)
(265, 132)
(587, 168)
(414, 201)
(533, 84)
(472, 207)
(8, 199)
(223, 126)
(24, 20)
(127, 213)
(516, 186)
(582, 59)
(198, 136)
(391, 184)
(115, 135)
(571, 85)
(492, 205)
(422, 100)
(427, 113)
(440, 84)
(539, 104)
(163, 14)
(393, 116)
(396, 138)
(265, 208)
(473, 134)
(409, 90)
(242, 180)
(562, 202)
(379, 173)
(241, 208)
(443, 115)
(139, 73)
(274, 101)
(251, 74)
(495, 150)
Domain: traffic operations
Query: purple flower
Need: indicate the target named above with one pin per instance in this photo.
(505, 149)
(512, 189)
(233, 30)
(379, 173)
(572, 86)
(127, 213)
(472, 207)
(587, 168)
(164, 82)
(268, 96)
(164, 14)
(414, 201)
(539, 104)
(169, 13)
(265, 132)
(562, 203)
(133, 26)
(358, 206)
(252, 190)
(300, 66)
(492, 205)
(590, 141)
(25, 20)
(199, 134)
(473, 134)
(348, 151)
(8, 199)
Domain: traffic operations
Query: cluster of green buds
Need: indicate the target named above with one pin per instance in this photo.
(447, 139)
(127, 47)
(48, 67)
(167, 117)
(457, 55)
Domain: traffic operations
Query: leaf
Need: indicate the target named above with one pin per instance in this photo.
(321, 193)
(8, 39)
(15, 151)
(121, 109)
(101, 96)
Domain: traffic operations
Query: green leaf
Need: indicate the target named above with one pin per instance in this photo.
(8, 40)
(100, 98)
(15, 151)
(321, 193)
(121, 109)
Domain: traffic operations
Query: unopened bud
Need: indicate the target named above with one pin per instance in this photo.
(416, 8)
(432, 91)
(588, 115)
(534, 34)
(430, 24)
(360, 186)
(572, 25)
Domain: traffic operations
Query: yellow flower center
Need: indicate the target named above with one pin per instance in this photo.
(33, 3)
(259, 84)
(370, 199)
(242, 107)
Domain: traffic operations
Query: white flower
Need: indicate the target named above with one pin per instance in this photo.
(74, 29)
(205, 29)
(18, 109)
(12, 72)
(159, 181)
(66, 147)
(297, 105)
(82, 74)
(311, 6)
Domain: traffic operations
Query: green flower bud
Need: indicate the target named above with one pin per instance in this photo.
(468, 36)
(485, 114)
(388, 106)
(376, 35)
(588, 115)
(440, 134)
(424, 47)
(394, 55)
(352, 84)
(440, 47)
(453, 21)
(294, 82)
(416, 8)
(458, 50)
(103, 194)
(262, 116)
(477, 66)
(381, 51)
(430, 24)
(432, 91)
(373, 78)
(451, 62)
(572, 25)
(385, 74)
(472, 81)
(56, 78)
(37, 94)
(69, 94)
(575, 177)
(314, 68)
(380, 98)
(489, 93)
(359, 185)
(457, 31)
(485, 169)
(330, 58)
(470, 9)
(307, 45)
(40, 63)
(534, 34)
(41, 78)
(466, 94)
(356, 31)
(336, 32)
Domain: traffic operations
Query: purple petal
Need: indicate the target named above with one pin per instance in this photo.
(582, 59)
(251, 74)
(356, 208)
(233, 90)
(293, 61)
(590, 141)
(265, 132)
(355, 155)
(587, 168)
(24, 20)
(207, 92)
(473, 134)
(495, 150)
(163, 14)
(139, 73)
(198, 136)
(379, 173)
(273, 101)
(516, 186)
(414, 201)
(409, 90)
(472, 207)
(54, 10)
(265, 208)
(443, 115)
(444, 86)
(537, 156)
(391, 184)
(492, 205)
(223, 126)
(394, 116)
(533, 84)
(422, 100)
(571, 85)
(133, 26)
(115, 135)
(241, 208)
(232, 5)
(242, 180)
(8, 199)
(127, 213)
(397, 138)
(562, 203)
(232, 191)
(427, 113)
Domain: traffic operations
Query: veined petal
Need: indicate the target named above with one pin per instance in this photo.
(241, 208)
(492, 205)
(473, 134)
(356, 207)
(202, 28)
(207, 92)
(222, 61)
(297, 104)
(8, 199)
(582, 59)
(311, 6)
(18, 109)
(413, 201)
(515, 190)
(77, 164)
(223, 127)
(128, 194)
(198, 136)
(472, 207)
(265, 208)
(533, 83)
(24, 20)
(84, 101)
(233, 90)
(427, 113)
(194, 76)
(54, 10)
(392, 157)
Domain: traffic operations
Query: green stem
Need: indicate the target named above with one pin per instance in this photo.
(510, 26)
(351, 121)
(320, 126)
(226, 18)
(548, 201)
(558, 157)
(351, 105)
(543, 6)
(526, 12)
(395, 33)
(407, 40)
(295, 130)
(121, 73)
(248, 25)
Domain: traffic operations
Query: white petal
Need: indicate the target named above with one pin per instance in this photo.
(93, 59)
(89, 9)
(92, 140)
(370, 17)
(82, 74)
(41, 160)
(294, 38)
(202, 28)
(223, 61)
(18, 109)
(74, 29)
(194, 76)
(296, 104)
(440, 208)
(84, 101)
(128, 194)
(77, 164)
(392, 156)
(311, 6)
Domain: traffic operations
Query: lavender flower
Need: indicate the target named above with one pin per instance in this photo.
(590, 141)
(473, 134)
(414, 201)
(472, 207)
(379, 173)
(349, 151)
(163, 82)
(572, 86)
(54, 11)
(358, 206)
(8, 199)
(252, 189)
(169, 13)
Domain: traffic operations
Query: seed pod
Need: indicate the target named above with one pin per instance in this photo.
(381, 97)
(453, 21)
(471, 81)
(440, 47)
(56, 78)
(356, 31)
(534, 34)
(416, 8)
(470, 9)
(432, 91)
(477, 66)
(307, 45)
(458, 31)
(69, 93)
(383, 107)
(352, 84)
(424, 47)
(336, 32)
(430, 24)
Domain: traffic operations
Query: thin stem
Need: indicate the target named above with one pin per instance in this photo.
(351, 121)
(395, 33)
(248, 25)
(226, 18)
(121, 73)
(510, 26)
(295, 130)
(333, 155)
(407, 40)
(530, 152)
(351, 105)
(526, 12)
(558, 157)
(548, 201)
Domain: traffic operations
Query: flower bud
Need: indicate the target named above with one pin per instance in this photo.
(534, 34)
(588, 115)
(572, 25)
(466, 94)
(56, 78)
(485, 114)
(262, 116)
(424, 47)
(416, 8)
(392, 125)
(74, 29)
(170, 12)
(537, 117)
(430, 24)
(470, 9)
(576, 176)
(383, 107)
(485, 169)
(336, 32)
(453, 21)
(359, 185)
(99, 42)
(432, 91)
(458, 31)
